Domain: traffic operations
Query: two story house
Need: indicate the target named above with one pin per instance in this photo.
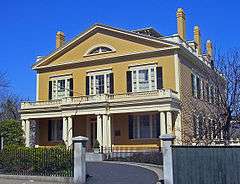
(121, 88)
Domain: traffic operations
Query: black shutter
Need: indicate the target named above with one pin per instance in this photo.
(111, 83)
(87, 85)
(49, 130)
(158, 124)
(130, 127)
(129, 81)
(193, 90)
(71, 87)
(159, 78)
(50, 90)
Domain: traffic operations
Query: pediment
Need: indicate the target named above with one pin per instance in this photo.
(119, 43)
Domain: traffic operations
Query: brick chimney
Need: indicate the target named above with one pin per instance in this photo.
(181, 23)
(209, 48)
(60, 39)
(197, 39)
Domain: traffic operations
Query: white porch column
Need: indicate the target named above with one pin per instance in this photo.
(27, 133)
(169, 122)
(99, 130)
(105, 131)
(109, 132)
(162, 123)
(178, 128)
(24, 126)
(70, 131)
(65, 130)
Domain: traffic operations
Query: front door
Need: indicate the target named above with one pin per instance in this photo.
(92, 131)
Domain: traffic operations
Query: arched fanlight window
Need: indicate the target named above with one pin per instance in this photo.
(100, 49)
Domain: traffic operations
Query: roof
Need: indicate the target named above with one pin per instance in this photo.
(148, 31)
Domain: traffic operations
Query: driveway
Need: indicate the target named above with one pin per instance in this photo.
(113, 173)
(107, 173)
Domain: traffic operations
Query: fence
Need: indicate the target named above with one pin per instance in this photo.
(206, 164)
(37, 161)
(134, 154)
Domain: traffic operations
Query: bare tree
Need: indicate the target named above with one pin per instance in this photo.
(215, 104)
(9, 108)
(229, 65)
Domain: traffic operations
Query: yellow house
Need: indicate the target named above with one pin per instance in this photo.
(122, 88)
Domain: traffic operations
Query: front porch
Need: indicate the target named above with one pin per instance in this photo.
(118, 122)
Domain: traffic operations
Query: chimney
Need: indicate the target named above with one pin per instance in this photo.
(181, 23)
(197, 39)
(209, 48)
(60, 39)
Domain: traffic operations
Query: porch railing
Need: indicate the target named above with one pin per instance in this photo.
(163, 93)
(134, 154)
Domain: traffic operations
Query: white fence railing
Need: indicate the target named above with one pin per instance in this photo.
(164, 93)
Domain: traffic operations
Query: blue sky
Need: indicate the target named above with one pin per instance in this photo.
(28, 27)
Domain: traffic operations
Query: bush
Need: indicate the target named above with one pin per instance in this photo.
(12, 132)
(55, 161)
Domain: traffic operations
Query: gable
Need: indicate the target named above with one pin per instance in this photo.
(123, 44)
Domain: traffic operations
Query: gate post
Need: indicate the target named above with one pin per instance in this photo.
(167, 140)
(79, 150)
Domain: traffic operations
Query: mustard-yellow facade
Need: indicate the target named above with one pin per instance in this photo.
(123, 47)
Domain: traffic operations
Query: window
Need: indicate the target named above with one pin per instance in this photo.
(60, 87)
(197, 86)
(100, 82)
(144, 78)
(99, 50)
(144, 126)
(55, 129)
(198, 125)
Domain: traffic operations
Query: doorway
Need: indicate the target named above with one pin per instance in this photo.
(91, 131)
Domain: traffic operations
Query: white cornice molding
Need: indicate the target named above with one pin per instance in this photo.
(112, 57)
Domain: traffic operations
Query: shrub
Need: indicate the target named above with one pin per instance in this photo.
(12, 132)
(55, 161)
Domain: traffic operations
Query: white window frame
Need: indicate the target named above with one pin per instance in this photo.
(144, 67)
(54, 130)
(55, 79)
(136, 124)
(94, 74)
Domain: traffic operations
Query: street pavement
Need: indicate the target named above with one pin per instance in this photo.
(106, 173)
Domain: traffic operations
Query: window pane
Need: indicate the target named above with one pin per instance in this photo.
(154, 127)
(135, 127)
(60, 88)
(99, 84)
(108, 83)
(134, 80)
(144, 126)
(153, 79)
(143, 80)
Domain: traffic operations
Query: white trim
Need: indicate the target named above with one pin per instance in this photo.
(112, 57)
(144, 67)
(94, 74)
(37, 86)
(98, 70)
(143, 64)
(99, 45)
(177, 72)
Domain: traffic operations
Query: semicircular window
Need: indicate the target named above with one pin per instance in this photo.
(101, 49)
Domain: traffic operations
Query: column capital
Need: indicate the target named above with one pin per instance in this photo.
(167, 137)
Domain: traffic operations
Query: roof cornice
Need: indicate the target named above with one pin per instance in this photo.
(85, 61)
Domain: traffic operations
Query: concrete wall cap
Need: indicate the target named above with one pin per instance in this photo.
(80, 139)
(167, 137)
